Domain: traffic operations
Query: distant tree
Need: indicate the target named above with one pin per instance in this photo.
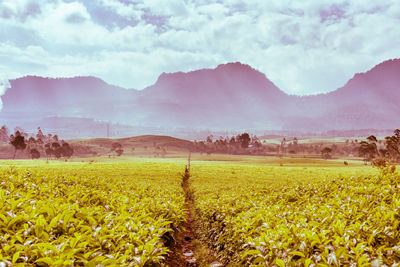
(257, 144)
(372, 139)
(244, 140)
(393, 146)
(4, 134)
(31, 140)
(368, 149)
(21, 131)
(282, 147)
(55, 145)
(35, 154)
(58, 152)
(326, 152)
(48, 150)
(295, 144)
(67, 150)
(17, 140)
(40, 137)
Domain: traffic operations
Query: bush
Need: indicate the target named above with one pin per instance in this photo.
(384, 165)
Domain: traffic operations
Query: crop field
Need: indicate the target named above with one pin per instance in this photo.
(298, 216)
(98, 214)
(126, 213)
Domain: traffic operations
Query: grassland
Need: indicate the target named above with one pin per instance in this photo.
(247, 210)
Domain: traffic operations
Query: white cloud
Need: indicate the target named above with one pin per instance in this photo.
(302, 46)
(165, 8)
(4, 85)
(130, 11)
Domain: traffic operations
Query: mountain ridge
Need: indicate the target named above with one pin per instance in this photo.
(230, 96)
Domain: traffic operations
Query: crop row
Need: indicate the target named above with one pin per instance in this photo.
(89, 215)
(299, 217)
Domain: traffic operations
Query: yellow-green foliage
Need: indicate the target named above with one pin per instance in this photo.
(298, 216)
(88, 214)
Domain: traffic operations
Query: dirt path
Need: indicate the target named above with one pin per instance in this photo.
(183, 251)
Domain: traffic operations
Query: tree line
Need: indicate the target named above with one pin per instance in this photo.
(36, 145)
(372, 151)
(288, 146)
(231, 145)
(369, 149)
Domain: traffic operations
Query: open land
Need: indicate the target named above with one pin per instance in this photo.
(229, 210)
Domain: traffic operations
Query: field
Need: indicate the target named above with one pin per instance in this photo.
(298, 216)
(246, 211)
(88, 214)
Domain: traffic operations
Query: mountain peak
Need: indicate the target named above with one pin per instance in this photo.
(391, 63)
(235, 66)
(230, 66)
(387, 74)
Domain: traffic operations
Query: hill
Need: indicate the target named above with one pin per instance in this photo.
(145, 145)
(368, 100)
(139, 146)
(34, 98)
(230, 97)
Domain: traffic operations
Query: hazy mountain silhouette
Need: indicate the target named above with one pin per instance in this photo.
(368, 100)
(34, 97)
(231, 96)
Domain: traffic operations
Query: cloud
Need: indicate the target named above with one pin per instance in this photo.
(4, 85)
(19, 9)
(127, 10)
(304, 47)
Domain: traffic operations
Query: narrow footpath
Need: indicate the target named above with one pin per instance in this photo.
(183, 251)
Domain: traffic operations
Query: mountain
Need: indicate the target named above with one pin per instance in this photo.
(232, 96)
(368, 100)
(34, 97)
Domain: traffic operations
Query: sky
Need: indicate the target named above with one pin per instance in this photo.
(304, 47)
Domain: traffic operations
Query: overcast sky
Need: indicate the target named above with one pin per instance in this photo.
(304, 47)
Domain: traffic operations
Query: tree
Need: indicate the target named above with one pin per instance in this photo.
(57, 150)
(49, 151)
(368, 149)
(4, 134)
(67, 150)
(232, 141)
(35, 154)
(40, 137)
(244, 140)
(17, 140)
(282, 147)
(326, 152)
(393, 146)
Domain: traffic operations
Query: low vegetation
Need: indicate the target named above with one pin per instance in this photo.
(299, 217)
(89, 214)
(246, 213)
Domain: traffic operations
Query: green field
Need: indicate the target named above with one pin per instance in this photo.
(248, 211)
(88, 213)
